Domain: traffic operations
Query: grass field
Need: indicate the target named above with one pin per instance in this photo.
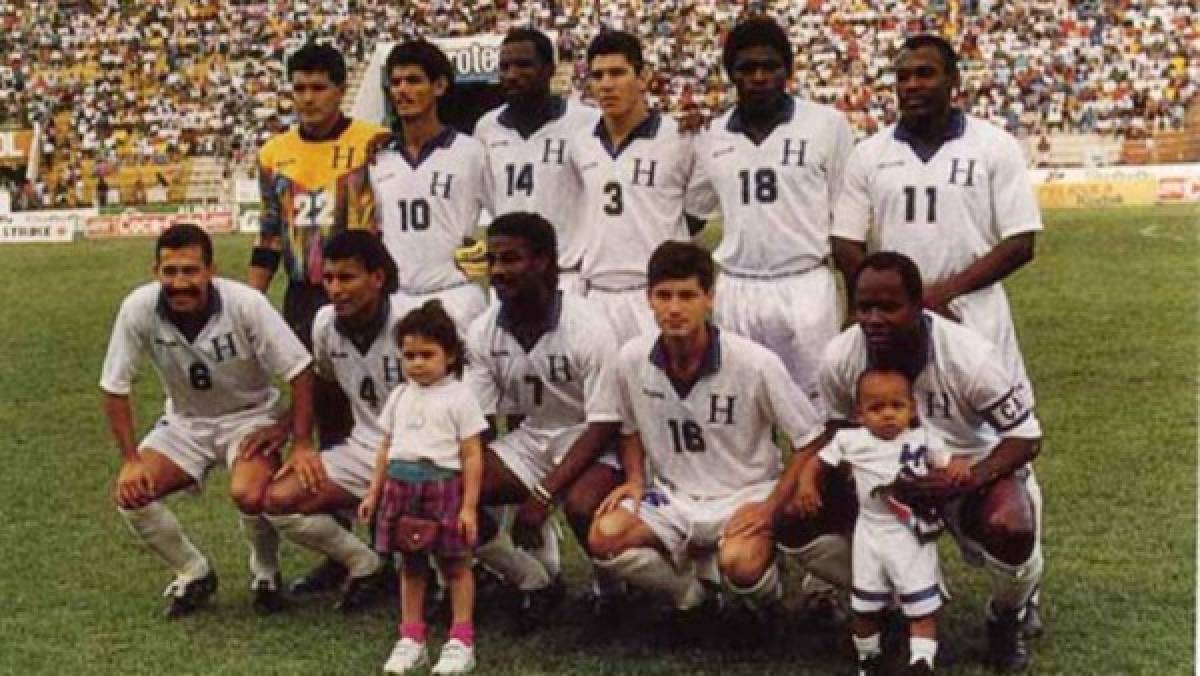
(1108, 317)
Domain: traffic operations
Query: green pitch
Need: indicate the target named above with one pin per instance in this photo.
(1107, 315)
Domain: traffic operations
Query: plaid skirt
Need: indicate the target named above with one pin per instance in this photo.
(439, 501)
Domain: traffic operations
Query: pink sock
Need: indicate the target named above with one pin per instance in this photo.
(415, 631)
(464, 632)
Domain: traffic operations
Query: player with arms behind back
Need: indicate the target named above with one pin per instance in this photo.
(894, 550)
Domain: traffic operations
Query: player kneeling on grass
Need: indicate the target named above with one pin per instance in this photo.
(426, 486)
(215, 343)
(894, 550)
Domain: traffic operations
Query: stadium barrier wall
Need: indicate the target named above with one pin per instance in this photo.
(152, 220)
(1123, 186)
(58, 225)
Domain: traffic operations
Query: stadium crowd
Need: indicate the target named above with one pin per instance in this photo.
(153, 82)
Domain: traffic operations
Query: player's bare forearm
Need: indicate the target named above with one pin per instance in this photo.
(848, 255)
(582, 454)
(1004, 259)
(471, 452)
(119, 411)
(1007, 457)
(302, 407)
(633, 459)
(797, 465)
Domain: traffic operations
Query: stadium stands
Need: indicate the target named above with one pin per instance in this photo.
(123, 84)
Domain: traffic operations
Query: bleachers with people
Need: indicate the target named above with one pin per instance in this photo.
(118, 83)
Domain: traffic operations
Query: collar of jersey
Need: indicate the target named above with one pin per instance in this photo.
(214, 306)
(552, 317)
(558, 108)
(342, 125)
(363, 336)
(647, 129)
(709, 364)
(444, 139)
(954, 130)
(736, 125)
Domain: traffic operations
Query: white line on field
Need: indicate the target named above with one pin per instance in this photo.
(1152, 231)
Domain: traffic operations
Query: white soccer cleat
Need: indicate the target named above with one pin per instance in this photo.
(456, 658)
(406, 656)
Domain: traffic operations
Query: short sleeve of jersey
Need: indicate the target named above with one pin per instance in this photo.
(270, 222)
(1013, 201)
(852, 210)
(322, 362)
(995, 394)
(387, 415)
(601, 393)
(477, 375)
(626, 382)
(834, 452)
(835, 380)
(467, 415)
(274, 342)
(125, 346)
(787, 405)
(843, 147)
(701, 198)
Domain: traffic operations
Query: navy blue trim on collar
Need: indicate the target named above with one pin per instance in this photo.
(557, 108)
(736, 125)
(710, 363)
(190, 327)
(954, 130)
(646, 129)
(443, 139)
(364, 335)
(528, 336)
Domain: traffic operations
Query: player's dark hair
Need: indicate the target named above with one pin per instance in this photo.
(182, 235)
(366, 248)
(681, 260)
(314, 58)
(423, 54)
(541, 43)
(759, 31)
(617, 42)
(538, 234)
(943, 46)
(430, 321)
(910, 276)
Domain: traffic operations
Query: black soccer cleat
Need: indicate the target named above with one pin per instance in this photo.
(188, 598)
(1006, 651)
(266, 595)
(872, 666)
(366, 590)
(918, 668)
(1031, 626)
(532, 609)
(325, 576)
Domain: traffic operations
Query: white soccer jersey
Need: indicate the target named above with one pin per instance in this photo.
(943, 213)
(876, 462)
(423, 209)
(715, 438)
(227, 368)
(533, 174)
(776, 198)
(367, 376)
(431, 422)
(965, 393)
(633, 198)
(566, 380)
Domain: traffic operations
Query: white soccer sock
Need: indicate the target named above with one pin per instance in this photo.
(160, 531)
(867, 647)
(922, 649)
(647, 568)
(321, 533)
(765, 592)
(516, 566)
(264, 546)
(1012, 586)
(549, 554)
(828, 557)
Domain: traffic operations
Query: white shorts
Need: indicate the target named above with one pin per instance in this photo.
(463, 303)
(973, 552)
(628, 311)
(988, 313)
(888, 558)
(531, 457)
(350, 465)
(795, 317)
(681, 522)
(195, 445)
